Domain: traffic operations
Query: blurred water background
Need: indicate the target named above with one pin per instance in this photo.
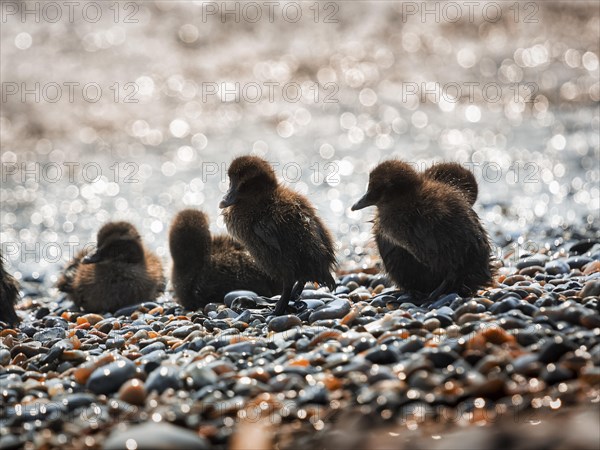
(125, 110)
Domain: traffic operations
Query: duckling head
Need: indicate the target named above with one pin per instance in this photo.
(387, 182)
(189, 239)
(117, 242)
(250, 177)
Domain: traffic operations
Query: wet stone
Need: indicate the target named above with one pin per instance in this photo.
(334, 310)
(554, 373)
(444, 301)
(577, 262)
(590, 321)
(383, 354)
(283, 323)
(244, 317)
(311, 304)
(127, 310)
(527, 365)
(4, 357)
(441, 358)
(50, 334)
(53, 355)
(538, 260)
(116, 342)
(311, 294)
(133, 392)
(583, 246)
(531, 270)
(470, 307)
(29, 349)
(231, 296)
(382, 300)
(557, 267)
(155, 436)
(152, 347)
(243, 302)
(109, 378)
(197, 375)
(58, 322)
(163, 378)
(591, 288)
(553, 349)
(505, 305)
(183, 331)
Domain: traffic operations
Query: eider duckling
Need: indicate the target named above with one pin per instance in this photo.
(401, 266)
(206, 268)
(9, 294)
(430, 238)
(279, 227)
(120, 273)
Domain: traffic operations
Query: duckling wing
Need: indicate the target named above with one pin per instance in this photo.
(266, 230)
(65, 281)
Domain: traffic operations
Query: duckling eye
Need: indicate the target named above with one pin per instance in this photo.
(241, 185)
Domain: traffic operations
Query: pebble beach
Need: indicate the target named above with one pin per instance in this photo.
(351, 362)
(360, 366)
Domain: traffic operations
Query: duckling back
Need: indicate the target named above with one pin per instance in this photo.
(455, 175)
(207, 268)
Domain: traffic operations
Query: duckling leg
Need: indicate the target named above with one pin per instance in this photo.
(297, 291)
(286, 294)
(438, 291)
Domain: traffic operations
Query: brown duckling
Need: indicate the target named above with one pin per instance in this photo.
(120, 273)
(279, 227)
(429, 237)
(401, 266)
(9, 294)
(206, 268)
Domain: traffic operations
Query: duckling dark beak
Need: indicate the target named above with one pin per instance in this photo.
(363, 203)
(229, 199)
(92, 259)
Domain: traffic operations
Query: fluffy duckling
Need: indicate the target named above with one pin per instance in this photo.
(279, 227)
(120, 273)
(457, 176)
(9, 293)
(206, 268)
(402, 267)
(430, 239)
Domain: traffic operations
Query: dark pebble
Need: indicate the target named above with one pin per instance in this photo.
(334, 310)
(505, 305)
(591, 289)
(581, 247)
(537, 260)
(109, 378)
(243, 302)
(155, 436)
(283, 323)
(440, 358)
(163, 378)
(383, 354)
(553, 349)
(555, 373)
(577, 262)
(557, 267)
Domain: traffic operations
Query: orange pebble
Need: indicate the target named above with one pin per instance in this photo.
(81, 320)
(592, 267)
